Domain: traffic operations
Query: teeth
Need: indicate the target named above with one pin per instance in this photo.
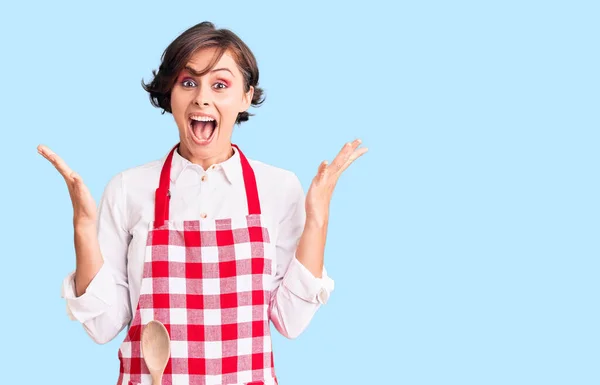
(202, 118)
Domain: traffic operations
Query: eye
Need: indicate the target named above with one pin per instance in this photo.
(220, 85)
(187, 83)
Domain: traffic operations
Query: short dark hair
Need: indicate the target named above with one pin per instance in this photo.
(179, 52)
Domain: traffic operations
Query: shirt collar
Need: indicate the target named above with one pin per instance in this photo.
(231, 168)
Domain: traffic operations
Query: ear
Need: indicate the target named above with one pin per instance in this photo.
(247, 99)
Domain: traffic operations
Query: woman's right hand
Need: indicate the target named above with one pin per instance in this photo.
(84, 206)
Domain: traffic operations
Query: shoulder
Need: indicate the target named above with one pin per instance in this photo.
(273, 178)
(281, 192)
(134, 178)
(141, 173)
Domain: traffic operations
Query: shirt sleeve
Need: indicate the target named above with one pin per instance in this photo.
(104, 309)
(298, 293)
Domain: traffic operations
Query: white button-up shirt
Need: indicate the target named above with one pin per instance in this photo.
(127, 208)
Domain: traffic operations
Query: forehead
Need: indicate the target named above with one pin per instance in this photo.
(201, 59)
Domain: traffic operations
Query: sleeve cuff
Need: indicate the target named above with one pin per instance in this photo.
(302, 283)
(96, 299)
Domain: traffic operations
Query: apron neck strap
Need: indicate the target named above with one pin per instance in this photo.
(163, 194)
(249, 184)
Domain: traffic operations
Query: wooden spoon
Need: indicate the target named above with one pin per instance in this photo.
(156, 349)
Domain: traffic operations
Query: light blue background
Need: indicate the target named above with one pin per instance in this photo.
(464, 245)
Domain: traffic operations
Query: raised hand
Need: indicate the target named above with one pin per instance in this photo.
(322, 186)
(84, 206)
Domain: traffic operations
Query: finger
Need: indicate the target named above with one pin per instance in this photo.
(322, 169)
(79, 192)
(44, 151)
(355, 155)
(76, 178)
(81, 196)
(57, 162)
(343, 155)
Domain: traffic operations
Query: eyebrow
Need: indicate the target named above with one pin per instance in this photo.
(197, 73)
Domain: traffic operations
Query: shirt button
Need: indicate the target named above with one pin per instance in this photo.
(323, 296)
(203, 179)
(203, 215)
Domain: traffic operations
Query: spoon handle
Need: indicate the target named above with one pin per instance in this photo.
(157, 379)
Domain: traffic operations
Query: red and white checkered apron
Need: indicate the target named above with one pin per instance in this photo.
(207, 282)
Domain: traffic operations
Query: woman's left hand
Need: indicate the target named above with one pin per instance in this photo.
(322, 186)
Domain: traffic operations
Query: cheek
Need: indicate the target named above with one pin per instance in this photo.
(178, 101)
(178, 109)
(228, 103)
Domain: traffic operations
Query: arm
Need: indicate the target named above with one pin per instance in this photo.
(312, 243)
(299, 292)
(97, 293)
(305, 285)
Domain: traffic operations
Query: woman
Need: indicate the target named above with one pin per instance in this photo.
(212, 244)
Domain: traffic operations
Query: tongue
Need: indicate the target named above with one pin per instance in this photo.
(203, 130)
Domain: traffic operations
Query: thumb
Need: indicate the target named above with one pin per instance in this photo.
(322, 168)
(76, 177)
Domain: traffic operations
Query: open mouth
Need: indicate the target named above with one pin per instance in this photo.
(203, 128)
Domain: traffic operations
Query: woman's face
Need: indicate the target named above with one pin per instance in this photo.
(206, 108)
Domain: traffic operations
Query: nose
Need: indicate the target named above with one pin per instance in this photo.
(203, 96)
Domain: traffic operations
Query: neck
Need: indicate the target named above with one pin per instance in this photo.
(205, 162)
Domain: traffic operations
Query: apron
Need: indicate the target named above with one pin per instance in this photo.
(208, 282)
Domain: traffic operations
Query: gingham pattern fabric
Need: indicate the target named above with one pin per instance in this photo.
(205, 281)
